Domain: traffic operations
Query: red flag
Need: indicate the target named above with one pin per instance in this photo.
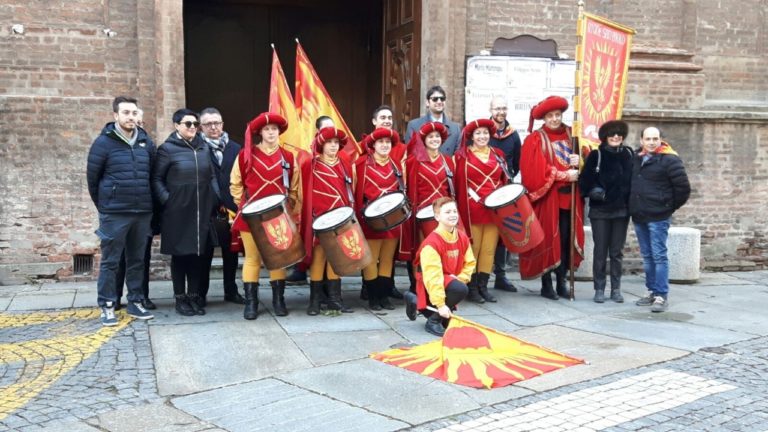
(602, 78)
(477, 356)
(313, 101)
(281, 102)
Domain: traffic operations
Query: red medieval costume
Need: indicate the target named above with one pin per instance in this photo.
(544, 163)
(326, 185)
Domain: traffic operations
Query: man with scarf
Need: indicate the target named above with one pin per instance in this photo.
(659, 187)
(549, 165)
(223, 154)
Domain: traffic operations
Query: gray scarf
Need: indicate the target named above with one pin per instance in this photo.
(217, 146)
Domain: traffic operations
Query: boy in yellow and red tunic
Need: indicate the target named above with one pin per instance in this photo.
(444, 265)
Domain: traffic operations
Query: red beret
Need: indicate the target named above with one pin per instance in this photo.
(266, 118)
(430, 127)
(552, 103)
(380, 133)
(474, 124)
(327, 133)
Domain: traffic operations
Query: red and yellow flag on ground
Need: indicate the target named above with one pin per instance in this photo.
(281, 102)
(473, 355)
(603, 55)
(313, 101)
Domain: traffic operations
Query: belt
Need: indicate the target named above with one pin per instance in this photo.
(564, 189)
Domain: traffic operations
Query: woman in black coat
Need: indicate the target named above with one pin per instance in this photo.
(606, 180)
(184, 183)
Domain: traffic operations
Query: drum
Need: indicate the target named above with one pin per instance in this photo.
(387, 211)
(274, 232)
(425, 218)
(518, 227)
(343, 241)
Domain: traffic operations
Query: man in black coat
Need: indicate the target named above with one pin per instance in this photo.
(118, 174)
(507, 140)
(659, 187)
(223, 154)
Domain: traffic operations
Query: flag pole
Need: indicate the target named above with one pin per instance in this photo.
(575, 145)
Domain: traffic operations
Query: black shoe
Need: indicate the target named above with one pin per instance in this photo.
(278, 297)
(118, 306)
(195, 302)
(251, 310)
(374, 304)
(616, 296)
(148, 304)
(434, 325)
(393, 292)
(297, 277)
(235, 298)
(410, 305)
(315, 289)
(183, 307)
(201, 301)
(547, 291)
(482, 287)
(503, 284)
(562, 286)
(386, 304)
(474, 295)
(335, 300)
(599, 296)
(364, 291)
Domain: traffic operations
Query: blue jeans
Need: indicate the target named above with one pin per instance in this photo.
(652, 238)
(118, 232)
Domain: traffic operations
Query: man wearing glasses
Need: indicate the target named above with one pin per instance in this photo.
(223, 154)
(118, 175)
(436, 113)
(507, 140)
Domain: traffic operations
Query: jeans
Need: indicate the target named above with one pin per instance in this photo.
(120, 280)
(118, 232)
(652, 238)
(609, 236)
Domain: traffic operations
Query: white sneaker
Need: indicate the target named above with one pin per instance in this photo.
(108, 318)
(659, 304)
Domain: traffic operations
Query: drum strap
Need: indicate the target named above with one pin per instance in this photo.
(449, 175)
(348, 184)
(503, 166)
(286, 168)
(398, 175)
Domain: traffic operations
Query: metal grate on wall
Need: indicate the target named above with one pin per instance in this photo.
(82, 264)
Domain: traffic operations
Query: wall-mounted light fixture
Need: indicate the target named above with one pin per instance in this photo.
(109, 32)
(17, 29)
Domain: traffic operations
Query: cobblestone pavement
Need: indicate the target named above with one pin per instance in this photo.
(714, 389)
(64, 365)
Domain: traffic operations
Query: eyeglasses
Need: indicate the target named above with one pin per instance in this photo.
(190, 124)
(437, 98)
(212, 124)
(502, 109)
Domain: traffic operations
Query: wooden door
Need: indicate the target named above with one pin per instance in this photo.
(401, 86)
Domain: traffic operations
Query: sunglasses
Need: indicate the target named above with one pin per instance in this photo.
(437, 98)
(190, 124)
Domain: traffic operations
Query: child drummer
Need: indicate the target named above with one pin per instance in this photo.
(444, 265)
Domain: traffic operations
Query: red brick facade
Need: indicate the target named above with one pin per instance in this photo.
(697, 70)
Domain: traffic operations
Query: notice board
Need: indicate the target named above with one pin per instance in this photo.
(524, 81)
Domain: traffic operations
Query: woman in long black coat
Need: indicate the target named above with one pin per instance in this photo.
(184, 183)
(606, 180)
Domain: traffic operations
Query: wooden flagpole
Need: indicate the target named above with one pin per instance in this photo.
(575, 146)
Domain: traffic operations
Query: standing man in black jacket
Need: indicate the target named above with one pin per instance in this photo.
(659, 187)
(507, 140)
(118, 175)
(223, 154)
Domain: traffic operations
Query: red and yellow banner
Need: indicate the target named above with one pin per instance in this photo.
(602, 78)
(281, 102)
(477, 356)
(313, 101)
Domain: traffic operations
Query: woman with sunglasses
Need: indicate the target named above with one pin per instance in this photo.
(263, 168)
(184, 183)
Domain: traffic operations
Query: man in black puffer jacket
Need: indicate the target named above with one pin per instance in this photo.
(118, 174)
(659, 187)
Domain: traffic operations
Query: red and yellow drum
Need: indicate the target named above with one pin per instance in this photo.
(274, 232)
(518, 227)
(343, 241)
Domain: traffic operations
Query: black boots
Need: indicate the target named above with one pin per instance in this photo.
(434, 325)
(378, 293)
(251, 310)
(196, 304)
(616, 295)
(391, 290)
(411, 301)
(474, 293)
(278, 297)
(547, 291)
(482, 287)
(599, 296)
(503, 284)
(232, 296)
(335, 301)
(182, 305)
(315, 292)
(562, 286)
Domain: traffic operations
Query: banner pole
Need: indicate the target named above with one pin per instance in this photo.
(575, 146)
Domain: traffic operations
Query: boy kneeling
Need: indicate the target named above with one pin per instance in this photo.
(444, 264)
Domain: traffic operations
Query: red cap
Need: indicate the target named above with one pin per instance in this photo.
(430, 127)
(327, 133)
(263, 119)
(552, 103)
(474, 124)
(380, 133)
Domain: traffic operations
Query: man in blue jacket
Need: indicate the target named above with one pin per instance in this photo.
(224, 151)
(436, 112)
(118, 174)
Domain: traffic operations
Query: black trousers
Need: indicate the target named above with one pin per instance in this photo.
(500, 259)
(564, 224)
(455, 293)
(609, 236)
(186, 273)
(229, 259)
(120, 275)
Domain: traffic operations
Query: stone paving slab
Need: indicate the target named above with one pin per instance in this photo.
(196, 357)
(605, 355)
(528, 309)
(333, 347)
(67, 426)
(216, 311)
(743, 320)
(273, 405)
(5, 302)
(299, 322)
(385, 389)
(658, 329)
(157, 417)
(34, 301)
